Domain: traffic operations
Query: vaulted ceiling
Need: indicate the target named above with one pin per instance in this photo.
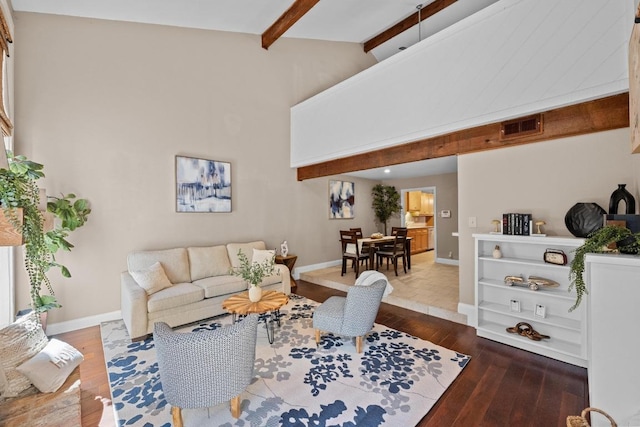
(383, 27)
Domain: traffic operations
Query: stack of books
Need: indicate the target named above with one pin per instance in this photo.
(516, 224)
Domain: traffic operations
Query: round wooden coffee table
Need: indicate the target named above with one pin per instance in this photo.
(270, 303)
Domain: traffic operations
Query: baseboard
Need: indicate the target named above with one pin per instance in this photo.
(470, 311)
(84, 322)
(448, 261)
(306, 268)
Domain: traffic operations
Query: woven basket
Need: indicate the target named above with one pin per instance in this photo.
(581, 420)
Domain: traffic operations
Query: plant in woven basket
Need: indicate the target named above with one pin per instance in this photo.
(18, 189)
(253, 272)
(599, 242)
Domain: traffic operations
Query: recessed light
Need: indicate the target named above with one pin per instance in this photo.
(387, 171)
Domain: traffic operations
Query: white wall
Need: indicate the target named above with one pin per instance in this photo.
(545, 179)
(106, 106)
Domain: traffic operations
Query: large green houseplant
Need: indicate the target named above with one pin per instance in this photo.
(385, 203)
(599, 242)
(18, 189)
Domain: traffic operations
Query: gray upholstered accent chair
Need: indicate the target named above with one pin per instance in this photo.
(205, 368)
(353, 315)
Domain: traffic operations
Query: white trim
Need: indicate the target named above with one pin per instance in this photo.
(307, 268)
(84, 322)
(7, 287)
(470, 311)
(448, 261)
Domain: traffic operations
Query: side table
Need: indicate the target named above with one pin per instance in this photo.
(290, 262)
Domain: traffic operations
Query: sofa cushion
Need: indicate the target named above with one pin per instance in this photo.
(177, 295)
(221, 285)
(261, 256)
(208, 262)
(174, 261)
(19, 341)
(49, 369)
(152, 279)
(270, 280)
(247, 249)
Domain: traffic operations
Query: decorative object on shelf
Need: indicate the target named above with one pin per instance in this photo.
(534, 282)
(202, 185)
(385, 203)
(526, 330)
(253, 273)
(341, 200)
(538, 230)
(497, 253)
(582, 421)
(540, 311)
(516, 224)
(555, 256)
(284, 249)
(584, 218)
(496, 226)
(625, 241)
(622, 195)
(18, 189)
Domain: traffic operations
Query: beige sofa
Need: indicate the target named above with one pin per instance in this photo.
(199, 282)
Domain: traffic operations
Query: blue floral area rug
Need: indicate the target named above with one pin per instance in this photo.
(394, 382)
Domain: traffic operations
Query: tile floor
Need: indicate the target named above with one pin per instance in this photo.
(429, 287)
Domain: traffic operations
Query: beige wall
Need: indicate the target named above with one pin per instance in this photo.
(446, 186)
(107, 105)
(546, 179)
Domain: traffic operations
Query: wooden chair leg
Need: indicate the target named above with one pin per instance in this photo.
(344, 266)
(395, 265)
(317, 336)
(176, 415)
(359, 344)
(235, 406)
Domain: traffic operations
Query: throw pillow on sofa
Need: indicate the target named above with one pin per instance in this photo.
(261, 256)
(19, 341)
(152, 279)
(51, 367)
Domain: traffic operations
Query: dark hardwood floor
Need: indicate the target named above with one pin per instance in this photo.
(501, 385)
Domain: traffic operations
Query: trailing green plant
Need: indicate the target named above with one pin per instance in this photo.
(18, 189)
(385, 203)
(253, 272)
(598, 242)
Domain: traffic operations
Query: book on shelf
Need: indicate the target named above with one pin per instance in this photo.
(516, 224)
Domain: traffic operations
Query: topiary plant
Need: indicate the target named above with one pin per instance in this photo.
(599, 242)
(385, 203)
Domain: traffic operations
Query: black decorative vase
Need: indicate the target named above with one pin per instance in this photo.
(584, 218)
(621, 194)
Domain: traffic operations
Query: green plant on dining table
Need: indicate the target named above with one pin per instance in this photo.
(18, 189)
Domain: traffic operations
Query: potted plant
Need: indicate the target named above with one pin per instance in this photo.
(18, 190)
(253, 273)
(385, 203)
(600, 241)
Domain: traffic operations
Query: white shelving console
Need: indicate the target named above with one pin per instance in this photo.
(523, 255)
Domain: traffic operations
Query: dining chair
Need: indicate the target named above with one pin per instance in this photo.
(350, 251)
(397, 250)
(365, 248)
(205, 368)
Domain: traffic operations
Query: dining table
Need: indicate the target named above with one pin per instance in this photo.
(381, 241)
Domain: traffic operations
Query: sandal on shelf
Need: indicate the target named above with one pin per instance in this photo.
(526, 330)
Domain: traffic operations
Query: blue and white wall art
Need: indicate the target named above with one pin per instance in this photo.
(202, 185)
(341, 200)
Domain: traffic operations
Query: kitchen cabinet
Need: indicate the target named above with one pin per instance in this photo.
(414, 201)
(426, 204)
(419, 237)
(499, 306)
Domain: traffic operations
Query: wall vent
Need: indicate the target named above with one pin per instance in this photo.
(523, 126)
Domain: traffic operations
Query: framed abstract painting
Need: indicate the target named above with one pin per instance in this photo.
(202, 185)
(341, 200)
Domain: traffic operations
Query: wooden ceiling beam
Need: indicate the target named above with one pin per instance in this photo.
(410, 21)
(588, 117)
(296, 11)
